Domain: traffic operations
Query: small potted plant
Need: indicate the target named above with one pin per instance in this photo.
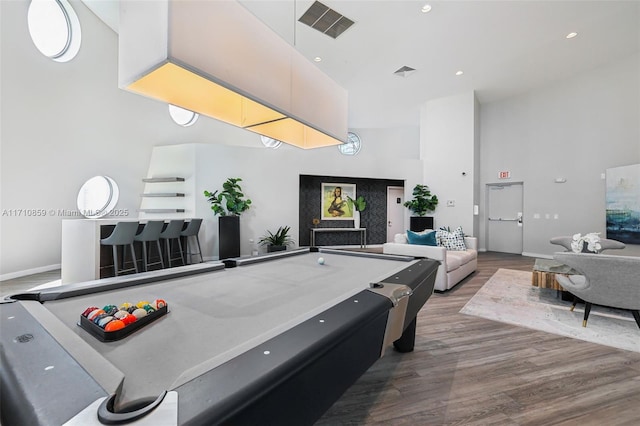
(358, 205)
(423, 202)
(277, 241)
(228, 203)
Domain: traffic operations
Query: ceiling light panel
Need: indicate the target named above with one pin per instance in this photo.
(219, 60)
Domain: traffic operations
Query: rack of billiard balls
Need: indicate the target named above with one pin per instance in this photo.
(113, 322)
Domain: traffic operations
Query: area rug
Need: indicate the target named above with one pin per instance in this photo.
(509, 297)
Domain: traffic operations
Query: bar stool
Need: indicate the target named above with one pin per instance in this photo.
(192, 229)
(122, 235)
(150, 233)
(172, 232)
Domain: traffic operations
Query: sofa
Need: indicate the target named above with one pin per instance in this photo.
(455, 265)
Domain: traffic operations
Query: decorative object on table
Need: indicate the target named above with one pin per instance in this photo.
(277, 241)
(334, 201)
(357, 206)
(113, 323)
(623, 203)
(588, 243)
(229, 204)
(423, 201)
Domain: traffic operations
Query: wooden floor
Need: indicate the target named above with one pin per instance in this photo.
(470, 371)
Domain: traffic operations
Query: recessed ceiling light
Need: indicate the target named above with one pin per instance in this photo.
(317, 59)
(572, 35)
(459, 72)
(426, 8)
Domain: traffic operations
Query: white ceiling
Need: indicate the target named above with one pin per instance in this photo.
(503, 47)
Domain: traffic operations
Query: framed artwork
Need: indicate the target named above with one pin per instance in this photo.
(623, 204)
(334, 201)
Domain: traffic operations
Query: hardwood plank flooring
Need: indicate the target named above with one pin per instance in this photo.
(472, 371)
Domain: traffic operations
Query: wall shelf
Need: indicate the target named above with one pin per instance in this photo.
(162, 194)
(161, 210)
(163, 179)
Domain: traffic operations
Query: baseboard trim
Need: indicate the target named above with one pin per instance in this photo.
(18, 274)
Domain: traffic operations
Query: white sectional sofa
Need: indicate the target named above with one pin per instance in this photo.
(454, 266)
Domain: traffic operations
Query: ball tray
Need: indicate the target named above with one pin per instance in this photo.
(110, 336)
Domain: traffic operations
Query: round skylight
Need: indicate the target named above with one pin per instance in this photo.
(54, 28)
(352, 146)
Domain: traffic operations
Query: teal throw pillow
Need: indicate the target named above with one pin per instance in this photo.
(426, 239)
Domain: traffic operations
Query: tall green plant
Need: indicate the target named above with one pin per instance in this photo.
(358, 204)
(423, 201)
(230, 201)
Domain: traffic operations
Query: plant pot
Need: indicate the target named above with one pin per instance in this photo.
(271, 249)
(356, 219)
(229, 236)
(420, 223)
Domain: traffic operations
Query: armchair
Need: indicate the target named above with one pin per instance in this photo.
(607, 280)
(605, 243)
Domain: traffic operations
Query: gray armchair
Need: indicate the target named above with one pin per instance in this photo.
(607, 280)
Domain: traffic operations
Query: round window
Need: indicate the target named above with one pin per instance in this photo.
(54, 28)
(182, 116)
(351, 146)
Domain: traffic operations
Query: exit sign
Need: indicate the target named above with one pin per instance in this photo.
(504, 174)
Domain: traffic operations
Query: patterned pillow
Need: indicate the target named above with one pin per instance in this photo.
(451, 240)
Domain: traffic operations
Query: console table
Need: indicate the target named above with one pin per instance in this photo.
(362, 231)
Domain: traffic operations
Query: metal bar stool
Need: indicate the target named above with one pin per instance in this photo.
(150, 233)
(172, 232)
(122, 235)
(192, 229)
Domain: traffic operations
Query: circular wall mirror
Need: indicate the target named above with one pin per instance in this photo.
(97, 197)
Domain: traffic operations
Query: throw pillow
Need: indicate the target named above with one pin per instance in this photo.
(424, 239)
(451, 240)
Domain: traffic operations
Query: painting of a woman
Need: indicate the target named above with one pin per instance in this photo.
(334, 201)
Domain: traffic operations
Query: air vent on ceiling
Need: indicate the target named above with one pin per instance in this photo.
(404, 71)
(325, 20)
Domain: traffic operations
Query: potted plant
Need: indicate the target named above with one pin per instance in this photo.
(277, 241)
(358, 205)
(228, 203)
(423, 201)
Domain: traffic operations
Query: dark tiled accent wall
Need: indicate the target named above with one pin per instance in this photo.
(374, 217)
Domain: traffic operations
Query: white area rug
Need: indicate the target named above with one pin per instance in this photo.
(509, 297)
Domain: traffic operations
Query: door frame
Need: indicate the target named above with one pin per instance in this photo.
(389, 203)
(487, 209)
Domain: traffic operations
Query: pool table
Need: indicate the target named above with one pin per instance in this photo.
(273, 339)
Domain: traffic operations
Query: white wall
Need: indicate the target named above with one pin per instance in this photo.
(63, 123)
(448, 145)
(576, 129)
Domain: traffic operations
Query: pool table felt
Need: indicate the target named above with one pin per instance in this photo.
(216, 316)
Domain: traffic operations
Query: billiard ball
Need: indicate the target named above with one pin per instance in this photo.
(149, 308)
(89, 310)
(121, 314)
(160, 303)
(99, 318)
(139, 313)
(321, 260)
(110, 309)
(125, 306)
(93, 314)
(141, 303)
(114, 325)
(128, 319)
(105, 320)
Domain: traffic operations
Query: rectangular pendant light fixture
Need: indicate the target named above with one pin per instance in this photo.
(217, 59)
